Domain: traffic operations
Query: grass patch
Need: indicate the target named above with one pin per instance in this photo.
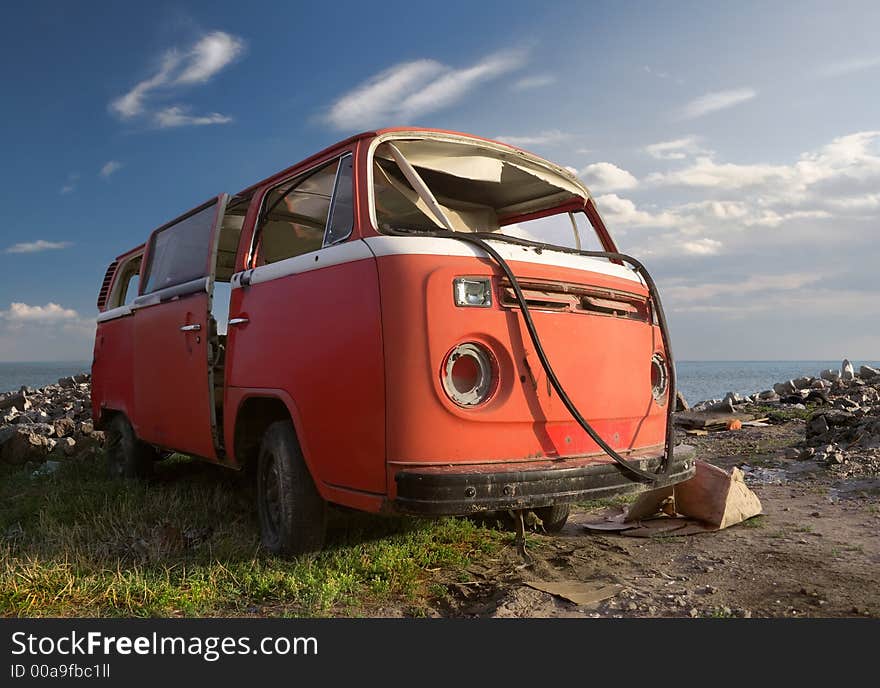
(783, 415)
(187, 544)
(758, 521)
(616, 500)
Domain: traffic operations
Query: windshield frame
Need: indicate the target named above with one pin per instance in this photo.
(580, 201)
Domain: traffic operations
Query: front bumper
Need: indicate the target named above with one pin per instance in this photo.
(461, 490)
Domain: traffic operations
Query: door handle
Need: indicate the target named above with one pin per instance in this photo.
(239, 321)
(190, 328)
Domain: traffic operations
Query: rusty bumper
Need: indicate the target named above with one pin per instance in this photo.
(462, 490)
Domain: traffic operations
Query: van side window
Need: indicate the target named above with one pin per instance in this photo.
(179, 253)
(342, 211)
(295, 215)
(125, 289)
(131, 289)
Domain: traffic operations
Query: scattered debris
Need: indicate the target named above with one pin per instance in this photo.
(711, 500)
(577, 592)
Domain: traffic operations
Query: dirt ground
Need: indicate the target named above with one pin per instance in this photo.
(814, 552)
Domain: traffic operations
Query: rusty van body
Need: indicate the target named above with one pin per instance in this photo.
(370, 357)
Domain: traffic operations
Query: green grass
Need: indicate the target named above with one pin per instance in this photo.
(186, 544)
(758, 521)
(616, 500)
(783, 415)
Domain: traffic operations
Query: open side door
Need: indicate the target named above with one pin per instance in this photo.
(174, 404)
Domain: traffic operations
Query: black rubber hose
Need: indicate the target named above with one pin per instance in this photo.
(477, 240)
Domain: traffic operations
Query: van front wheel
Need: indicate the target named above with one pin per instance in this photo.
(293, 516)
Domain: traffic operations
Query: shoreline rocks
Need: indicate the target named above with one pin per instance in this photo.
(49, 423)
(842, 431)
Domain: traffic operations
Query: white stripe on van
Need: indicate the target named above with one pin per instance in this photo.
(439, 246)
(380, 246)
(113, 313)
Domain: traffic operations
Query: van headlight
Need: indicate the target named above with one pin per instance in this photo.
(469, 374)
(472, 291)
(659, 378)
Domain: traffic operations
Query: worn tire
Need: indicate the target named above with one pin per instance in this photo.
(293, 516)
(127, 456)
(553, 517)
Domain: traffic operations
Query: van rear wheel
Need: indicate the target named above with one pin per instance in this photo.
(293, 516)
(553, 518)
(127, 456)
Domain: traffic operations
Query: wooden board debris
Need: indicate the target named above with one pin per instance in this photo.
(577, 592)
(698, 420)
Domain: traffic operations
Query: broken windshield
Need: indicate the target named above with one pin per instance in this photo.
(467, 187)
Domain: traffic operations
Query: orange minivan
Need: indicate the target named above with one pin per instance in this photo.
(411, 321)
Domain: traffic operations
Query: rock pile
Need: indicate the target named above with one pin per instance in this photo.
(843, 428)
(53, 422)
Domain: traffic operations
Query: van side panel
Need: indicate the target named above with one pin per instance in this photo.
(317, 336)
(172, 397)
(112, 367)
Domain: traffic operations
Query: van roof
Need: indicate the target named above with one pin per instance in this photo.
(369, 135)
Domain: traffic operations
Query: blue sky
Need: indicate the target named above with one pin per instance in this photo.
(735, 147)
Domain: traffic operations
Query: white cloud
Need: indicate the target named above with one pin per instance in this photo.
(706, 173)
(51, 312)
(540, 139)
(857, 203)
(208, 56)
(412, 89)
(677, 149)
(131, 103)
(843, 67)
(715, 101)
(534, 81)
(701, 247)
(110, 167)
(623, 212)
(605, 176)
(176, 116)
(846, 159)
(42, 333)
(37, 246)
(197, 65)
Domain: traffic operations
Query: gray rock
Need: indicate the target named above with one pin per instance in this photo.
(733, 398)
(817, 426)
(783, 388)
(16, 400)
(44, 429)
(846, 370)
(66, 446)
(23, 445)
(867, 372)
(835, 458)
(725, 406)
(64, 427)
